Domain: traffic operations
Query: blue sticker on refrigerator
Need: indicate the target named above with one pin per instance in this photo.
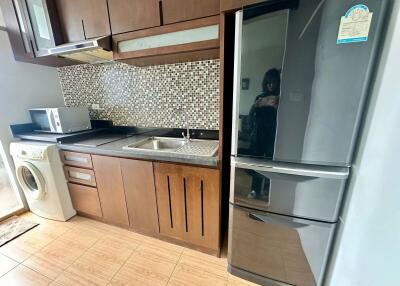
(354, 25)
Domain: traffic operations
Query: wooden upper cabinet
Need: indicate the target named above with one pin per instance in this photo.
(183, 10)
(111, 189)
(188, 201)
(132, 15)
(227, 5)
(83, 19)
(140, 195)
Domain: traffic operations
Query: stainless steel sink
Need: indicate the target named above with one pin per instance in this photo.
(158, 144)
(207, 148)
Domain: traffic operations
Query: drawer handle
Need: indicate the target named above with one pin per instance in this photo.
(272, 220)
(80, 176)
(73, 158)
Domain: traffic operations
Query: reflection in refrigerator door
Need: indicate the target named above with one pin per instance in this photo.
(279, 247)
(307, 94)
(293, 132)
(312, 195)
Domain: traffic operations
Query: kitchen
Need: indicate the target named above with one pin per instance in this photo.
(166, 156)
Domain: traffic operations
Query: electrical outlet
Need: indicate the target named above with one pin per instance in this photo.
(96, 106)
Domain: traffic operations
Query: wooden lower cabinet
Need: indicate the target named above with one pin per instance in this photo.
(188, 201)
(140, 195)
(85, 199)
(111, 189)
(164, 200)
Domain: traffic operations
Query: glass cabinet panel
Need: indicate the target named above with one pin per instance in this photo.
(41, 26)
(170, 39)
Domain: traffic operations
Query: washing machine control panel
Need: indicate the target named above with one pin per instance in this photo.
(31, 154)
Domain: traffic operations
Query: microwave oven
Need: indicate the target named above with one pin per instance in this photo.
(60, 120)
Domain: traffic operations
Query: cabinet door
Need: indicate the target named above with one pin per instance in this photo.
(203, 207)
(132, 15)
(111, 189)
(189, 203)
(182, 10)
(83, 19)
(85, 199)
(170, 200)
(140, 194)
(20, 38)
(231, 4)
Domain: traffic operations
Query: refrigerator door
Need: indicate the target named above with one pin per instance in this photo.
(299, 90)
(288, 189)
(268, 248)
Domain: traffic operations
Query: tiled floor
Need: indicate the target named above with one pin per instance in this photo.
(86, 252)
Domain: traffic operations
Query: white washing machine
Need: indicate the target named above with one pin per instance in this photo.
(40, 174)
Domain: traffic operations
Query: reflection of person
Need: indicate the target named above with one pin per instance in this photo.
(262, 120)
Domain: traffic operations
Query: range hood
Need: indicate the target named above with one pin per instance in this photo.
(93, 51)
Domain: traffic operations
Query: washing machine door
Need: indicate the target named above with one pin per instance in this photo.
(31, 181)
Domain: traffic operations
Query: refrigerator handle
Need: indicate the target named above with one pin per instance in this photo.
(236, 80)
(281, 221)
(297, 171)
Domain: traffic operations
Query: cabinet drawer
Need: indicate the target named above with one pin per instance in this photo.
(85, 199)
(77, 159)
(80, 176)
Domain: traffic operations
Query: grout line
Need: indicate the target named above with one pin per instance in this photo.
(12, 268)
(83, 253)
(123, 264)
(173, 271)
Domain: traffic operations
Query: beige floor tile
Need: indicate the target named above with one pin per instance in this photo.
(22, 275)
(6, 264)
(99, 263)
(204, 264)
(118, 242)
(32, 241)
(18, 250)
(185, 275)
(86, 252)
(70, 279)
(81, 238)
(206, 257)
(236, 281)
(154, 252)
(150, 264)
(54, 258)
(144, 269)
(162, 244)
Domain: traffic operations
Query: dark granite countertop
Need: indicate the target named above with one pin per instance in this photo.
(111, 143)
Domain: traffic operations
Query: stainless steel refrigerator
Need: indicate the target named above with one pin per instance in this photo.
(302, 74)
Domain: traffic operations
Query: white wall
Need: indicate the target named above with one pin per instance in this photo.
(2, 24)
(23, 86)
(368, 246)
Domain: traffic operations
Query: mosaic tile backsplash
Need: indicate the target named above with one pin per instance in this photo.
(154, 96)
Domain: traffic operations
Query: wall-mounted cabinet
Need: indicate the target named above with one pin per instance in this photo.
(83, 19)
(145, 31)
(133, 15)
(32, 28)
(229, 5)
(175, 11)
(191, 40)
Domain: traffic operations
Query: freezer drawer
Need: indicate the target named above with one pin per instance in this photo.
(281, 248)
(287, 190)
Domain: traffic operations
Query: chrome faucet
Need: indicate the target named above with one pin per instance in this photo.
(185, 113)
